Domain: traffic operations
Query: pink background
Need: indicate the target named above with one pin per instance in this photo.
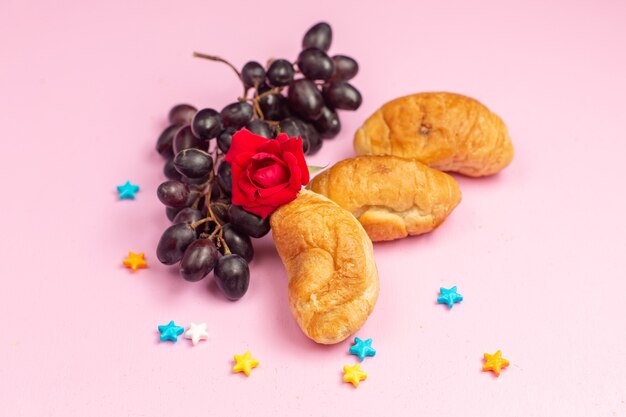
(537, 251)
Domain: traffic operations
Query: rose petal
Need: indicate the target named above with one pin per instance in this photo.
(248, 188)
(244, 141)
(263, 160)
(243, 159)
(271, 146)
(271, 176)
(264, 193)
(263, 156)
(243, 192)
(294, 146)
(283, 137)
(295, 176)
(238, 195)
(280, 198)
(289, 144)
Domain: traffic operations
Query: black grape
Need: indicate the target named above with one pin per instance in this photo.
(280, 73)
(315, 64)
(274, 107)
(238, 243)
(181, 114)
(294, 127)
(328, 123)
(232, 276)
(305, 99)
(193, 163)
(164, 142)
(225, 138)
(313, 137)
(253, 74)
(174, 194)
(173, 243)
(220, 210)
(198, 260)
(319, 36)
(170, 170)
(225, 177)
(206, 124)
(341, 95)
(171, 212)
(345, 67)
(263, 88)
(248, 223)
(187, 215)
(185, 139)
(261, 128)
(236, 115)
(195, 183)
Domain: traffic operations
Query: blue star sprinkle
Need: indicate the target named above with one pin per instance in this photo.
(449, 297)
(170, 332)
(127, 191)
(362, 348)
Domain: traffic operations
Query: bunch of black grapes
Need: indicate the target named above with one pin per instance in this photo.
(209, 233)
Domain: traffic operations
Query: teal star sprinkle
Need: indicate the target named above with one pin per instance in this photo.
(449, 297)
(362, 348)
(127, 191)
(170, 332)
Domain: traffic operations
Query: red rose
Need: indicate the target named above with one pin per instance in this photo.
(267, 173)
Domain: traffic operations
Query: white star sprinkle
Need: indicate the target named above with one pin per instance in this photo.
(196, 332)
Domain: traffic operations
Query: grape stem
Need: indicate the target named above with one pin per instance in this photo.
(196, 201)
(212, 218)
(218, 59)
(275, 90)
(258, 113)
(218, 228)
(256, 107)
(199, 222)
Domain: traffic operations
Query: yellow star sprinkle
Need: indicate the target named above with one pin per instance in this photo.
(244, 363)
(135, 261)
(495, 362)
(354, 374)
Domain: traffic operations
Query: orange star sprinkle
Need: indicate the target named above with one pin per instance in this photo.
(495, 362)
(135, 261)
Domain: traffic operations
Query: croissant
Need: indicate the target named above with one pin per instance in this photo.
(392, 197)
(446, 131)
(333, 280)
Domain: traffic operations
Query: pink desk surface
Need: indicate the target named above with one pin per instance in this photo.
(537, 251)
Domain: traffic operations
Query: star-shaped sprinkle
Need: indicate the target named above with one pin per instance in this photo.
(170, 332)
(127, 191)
(362, 348)
(196, 332)
(495, 362)
(354, 374)
(135, 261)
(244, 363)
(449, 297)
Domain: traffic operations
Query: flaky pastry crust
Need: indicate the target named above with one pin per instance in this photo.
(392, 197)
(333, 280)
(446, 131)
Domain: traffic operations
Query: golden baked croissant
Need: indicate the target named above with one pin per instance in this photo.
(392, 197)
(446, 131)
(333, 280)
